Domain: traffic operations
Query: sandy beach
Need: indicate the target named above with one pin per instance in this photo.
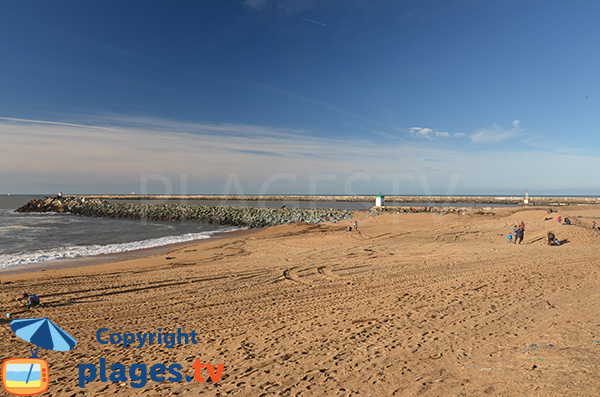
(410, 304)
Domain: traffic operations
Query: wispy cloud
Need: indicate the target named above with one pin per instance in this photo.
(493, 134)
(421, 132)
(320, 103)
(497, 133)
(306, 19)
(286, 6)
(257, 4)
(93, 156)
(17, 120)
(429, 133)
(114, 49)
(115, 151)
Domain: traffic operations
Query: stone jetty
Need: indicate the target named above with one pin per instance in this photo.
(224, 215)
(414, 199)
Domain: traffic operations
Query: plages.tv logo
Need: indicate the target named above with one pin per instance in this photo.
(30, 376)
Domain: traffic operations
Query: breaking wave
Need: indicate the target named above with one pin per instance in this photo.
(9, 260)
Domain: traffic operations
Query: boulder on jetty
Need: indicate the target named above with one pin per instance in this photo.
(56, 204)
(225, 215)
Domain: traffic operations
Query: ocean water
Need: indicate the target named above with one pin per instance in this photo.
(33, 238)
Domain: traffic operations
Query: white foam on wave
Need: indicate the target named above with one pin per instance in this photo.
(10, 227)
(25, 258)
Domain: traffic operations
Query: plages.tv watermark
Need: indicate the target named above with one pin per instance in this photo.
(240, 190)
(138, 374)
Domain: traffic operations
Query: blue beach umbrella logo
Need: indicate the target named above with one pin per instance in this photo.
(30, 376)
(43, 333)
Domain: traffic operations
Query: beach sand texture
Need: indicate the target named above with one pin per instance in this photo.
(412, 304)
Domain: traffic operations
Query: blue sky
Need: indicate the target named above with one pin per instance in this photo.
(305, 96)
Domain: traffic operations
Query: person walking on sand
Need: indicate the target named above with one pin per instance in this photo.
(355, 225)
(509, 238)
(520, 235)
(559, 221)
(522, 225)
(593, 225)
(514, 233)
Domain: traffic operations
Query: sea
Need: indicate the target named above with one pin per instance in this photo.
(43, 237)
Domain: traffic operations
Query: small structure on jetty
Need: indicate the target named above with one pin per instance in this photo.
(379, 200)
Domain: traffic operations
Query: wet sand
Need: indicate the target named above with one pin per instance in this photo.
(411, 304)
(68, 263)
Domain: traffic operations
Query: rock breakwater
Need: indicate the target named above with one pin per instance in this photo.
(225, 215)
(415, 200)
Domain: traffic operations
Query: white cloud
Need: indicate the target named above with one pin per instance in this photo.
(493, 134)
(428, 133)
(496, 133)
(421, 132)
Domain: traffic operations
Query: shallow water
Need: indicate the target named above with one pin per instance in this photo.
(32, 238)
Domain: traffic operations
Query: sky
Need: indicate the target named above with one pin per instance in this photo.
(300, 97)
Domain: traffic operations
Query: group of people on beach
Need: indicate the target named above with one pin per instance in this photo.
(517, 234)
(560, 221)
(355, 225)
(553, 240)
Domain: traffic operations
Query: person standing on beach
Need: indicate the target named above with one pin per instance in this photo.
(514, 233)
(522, 225)
(355, 225)
(509, 238)
(520, 235)
(559, 220)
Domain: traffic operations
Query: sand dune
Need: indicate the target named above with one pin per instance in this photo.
(411, 304)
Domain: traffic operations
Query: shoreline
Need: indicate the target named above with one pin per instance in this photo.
(109, 258)
(92, 260)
